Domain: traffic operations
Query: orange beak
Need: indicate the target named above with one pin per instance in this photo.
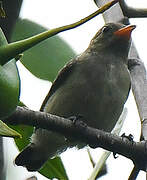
(125, 32)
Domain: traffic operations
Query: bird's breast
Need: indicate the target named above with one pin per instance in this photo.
(97, 92)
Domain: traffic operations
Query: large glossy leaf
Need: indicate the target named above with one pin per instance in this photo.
(9, 82)
(9, 88)
(47, 58)
(54, 168)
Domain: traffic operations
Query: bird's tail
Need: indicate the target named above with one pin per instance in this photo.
(31, 158)
(44, 145)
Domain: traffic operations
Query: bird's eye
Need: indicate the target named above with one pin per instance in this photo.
(105, 29)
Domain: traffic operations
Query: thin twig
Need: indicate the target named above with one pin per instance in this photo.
(134, 173)
(132, 12)
(90, 158)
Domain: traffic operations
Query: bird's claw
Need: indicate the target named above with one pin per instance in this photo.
(74, 119)
(115, 155)
(78, 122)
(130, 137)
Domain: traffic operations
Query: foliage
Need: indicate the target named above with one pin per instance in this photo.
(48, 57)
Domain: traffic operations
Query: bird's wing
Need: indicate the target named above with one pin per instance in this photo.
(60, 79)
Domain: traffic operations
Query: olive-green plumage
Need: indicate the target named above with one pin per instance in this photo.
(95, 85)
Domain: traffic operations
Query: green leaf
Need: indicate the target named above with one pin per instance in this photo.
(54, 168)
(47, 58)
(26, 132)
(9, 83)
(8, 132)
(9, 88)
(13, 49)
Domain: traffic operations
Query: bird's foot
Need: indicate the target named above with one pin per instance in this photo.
(77, 121)
(74, 119)
(130, 137)
(115, 155)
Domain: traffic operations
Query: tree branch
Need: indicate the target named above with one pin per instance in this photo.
(134, 173)
(136, 151)
(132, 12)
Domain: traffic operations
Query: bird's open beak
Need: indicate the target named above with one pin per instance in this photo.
(125, 32)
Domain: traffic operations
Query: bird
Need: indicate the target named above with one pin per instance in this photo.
(94, 85)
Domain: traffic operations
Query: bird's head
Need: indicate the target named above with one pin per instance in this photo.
(113, 37)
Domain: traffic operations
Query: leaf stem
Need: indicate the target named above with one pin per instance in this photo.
(11, 50)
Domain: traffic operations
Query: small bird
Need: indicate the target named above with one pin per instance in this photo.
(95, 85)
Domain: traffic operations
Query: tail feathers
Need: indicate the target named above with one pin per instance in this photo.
(30, 158)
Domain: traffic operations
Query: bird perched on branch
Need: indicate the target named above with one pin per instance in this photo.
(95, 85)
